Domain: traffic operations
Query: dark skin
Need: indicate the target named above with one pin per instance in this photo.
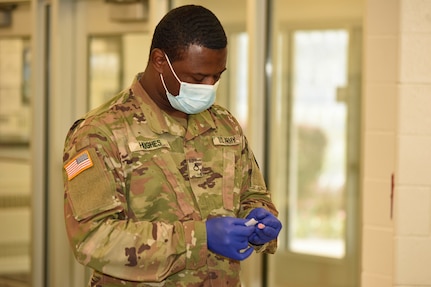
(197, 65)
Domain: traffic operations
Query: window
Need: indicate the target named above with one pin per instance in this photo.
(317, 141)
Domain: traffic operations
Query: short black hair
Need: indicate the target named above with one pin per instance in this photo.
(188, 25)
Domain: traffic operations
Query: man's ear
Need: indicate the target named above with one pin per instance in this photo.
(157, 59)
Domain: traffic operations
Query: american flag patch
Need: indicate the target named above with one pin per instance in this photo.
(78, 164)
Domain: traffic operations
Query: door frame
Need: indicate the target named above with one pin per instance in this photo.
(318, 264)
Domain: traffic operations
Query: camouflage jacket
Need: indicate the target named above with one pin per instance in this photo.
(139, 187)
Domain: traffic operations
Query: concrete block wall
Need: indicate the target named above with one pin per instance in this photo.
(380, 103)
(413, 221)
(396, 239)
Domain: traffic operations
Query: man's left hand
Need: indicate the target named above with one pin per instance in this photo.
(267, 228)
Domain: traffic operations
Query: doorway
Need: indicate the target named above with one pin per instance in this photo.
(315, 158)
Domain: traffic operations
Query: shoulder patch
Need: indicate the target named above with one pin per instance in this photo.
(78, 164)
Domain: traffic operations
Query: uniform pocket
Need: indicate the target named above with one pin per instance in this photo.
(93, 190)
(166, 163)
(228, 179)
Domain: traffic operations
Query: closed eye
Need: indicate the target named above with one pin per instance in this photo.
(215, 77)
(204, 79)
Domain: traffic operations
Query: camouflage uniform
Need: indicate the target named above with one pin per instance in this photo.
(139, 187)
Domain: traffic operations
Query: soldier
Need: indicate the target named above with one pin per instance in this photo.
(161, 187)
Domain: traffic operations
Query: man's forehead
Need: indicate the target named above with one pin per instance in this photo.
(203, 61)
(195, 50)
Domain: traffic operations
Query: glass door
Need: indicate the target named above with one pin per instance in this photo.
(15, 154)
(315, 160)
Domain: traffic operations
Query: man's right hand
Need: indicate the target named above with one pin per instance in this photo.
(228, 236)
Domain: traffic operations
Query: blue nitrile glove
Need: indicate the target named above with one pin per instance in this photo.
(228, 236)
(266, 232)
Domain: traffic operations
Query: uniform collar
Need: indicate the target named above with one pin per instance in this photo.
(199, 124)
(160, 122)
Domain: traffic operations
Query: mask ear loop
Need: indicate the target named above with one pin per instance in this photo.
(163, 82)
(172, 69)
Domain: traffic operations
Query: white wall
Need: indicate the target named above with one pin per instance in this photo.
(378, 140)
(397, 140)
(413, 153)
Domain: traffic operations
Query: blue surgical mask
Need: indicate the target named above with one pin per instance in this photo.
(192, 98)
